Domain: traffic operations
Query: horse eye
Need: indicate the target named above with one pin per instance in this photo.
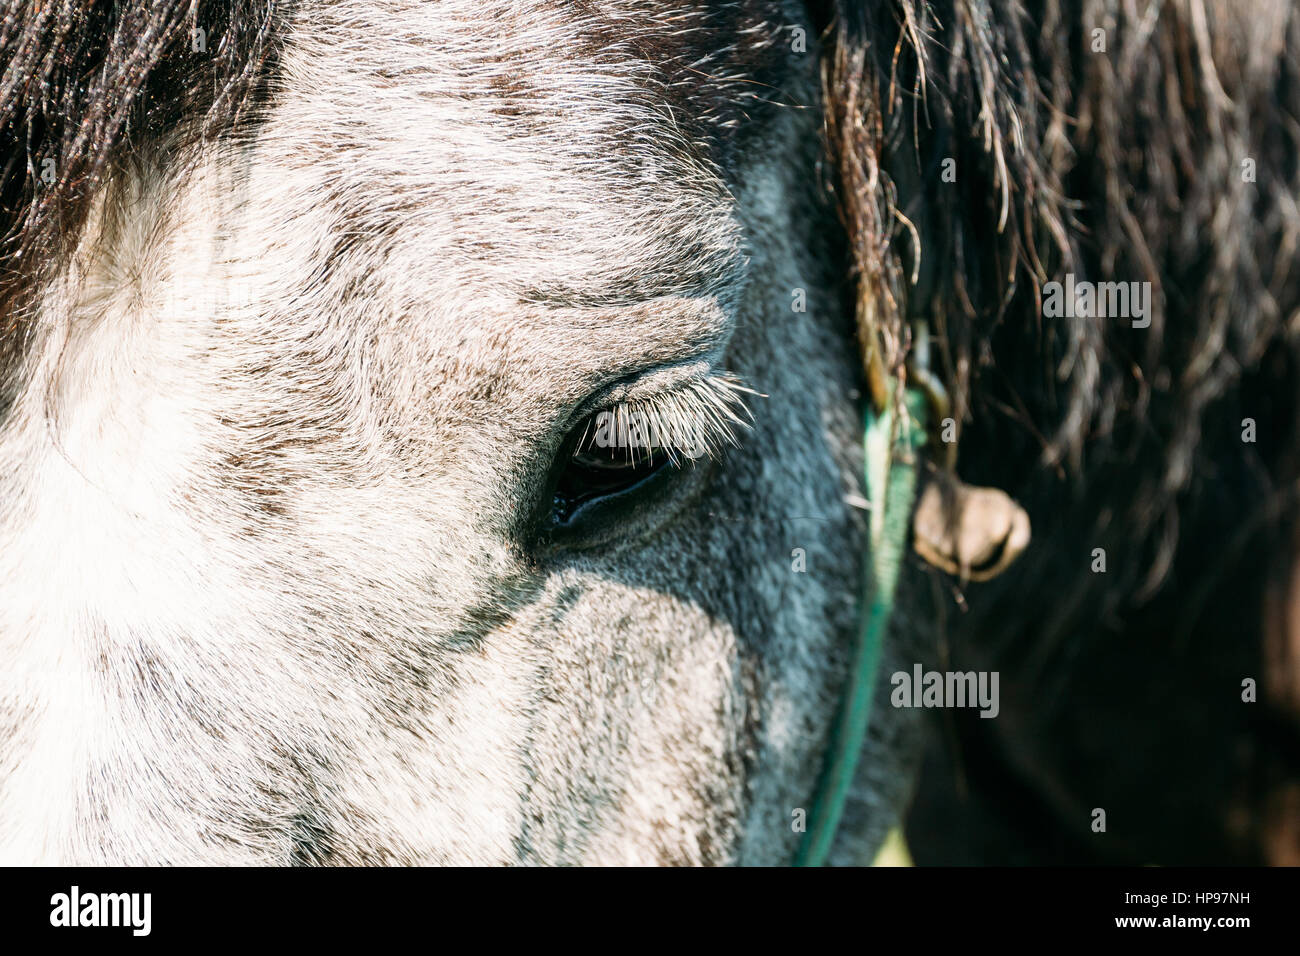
(594, 473)
(605, 471)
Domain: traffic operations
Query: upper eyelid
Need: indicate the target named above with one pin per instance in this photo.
(649, 382)
(659, 380)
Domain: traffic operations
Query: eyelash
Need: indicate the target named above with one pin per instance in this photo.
(701, 418)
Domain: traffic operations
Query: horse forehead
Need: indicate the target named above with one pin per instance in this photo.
(722, 68)
(563, 155)
(709, 72)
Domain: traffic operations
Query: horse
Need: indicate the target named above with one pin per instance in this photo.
(313, 313)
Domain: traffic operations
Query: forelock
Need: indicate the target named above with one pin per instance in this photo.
(84, 83)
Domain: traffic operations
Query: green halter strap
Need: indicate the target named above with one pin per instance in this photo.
(891, 443)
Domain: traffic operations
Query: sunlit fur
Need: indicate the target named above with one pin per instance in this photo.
(285, 402)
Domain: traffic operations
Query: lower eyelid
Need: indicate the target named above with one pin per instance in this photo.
(627, 515)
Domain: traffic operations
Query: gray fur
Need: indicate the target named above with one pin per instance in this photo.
(266, 589)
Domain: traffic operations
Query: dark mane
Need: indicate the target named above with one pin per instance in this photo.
(82, 83)
(1124, 165)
